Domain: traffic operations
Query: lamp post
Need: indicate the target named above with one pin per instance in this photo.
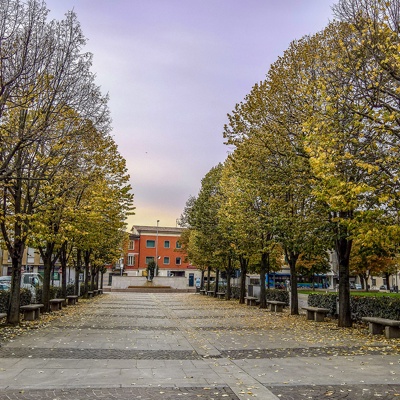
(157, 245)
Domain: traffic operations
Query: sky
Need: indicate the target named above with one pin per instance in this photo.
(173, 70)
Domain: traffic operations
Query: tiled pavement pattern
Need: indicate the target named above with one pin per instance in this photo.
(187, 346)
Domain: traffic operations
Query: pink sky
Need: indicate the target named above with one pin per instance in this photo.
(173, 70)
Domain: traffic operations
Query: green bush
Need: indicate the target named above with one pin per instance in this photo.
(383, 307)
(277, 295)
(4, 297)
(55, 292)
(324, 300)
(25, 298)
(360, 306)
(235, 292)
(70, 289)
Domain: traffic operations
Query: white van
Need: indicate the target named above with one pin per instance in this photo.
(30, 280)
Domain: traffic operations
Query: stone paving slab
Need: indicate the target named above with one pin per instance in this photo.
(173, 346)
(165, 393)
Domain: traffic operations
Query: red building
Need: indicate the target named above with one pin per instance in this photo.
(151, 243)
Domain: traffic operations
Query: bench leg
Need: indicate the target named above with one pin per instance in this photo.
(319, 317)
(37, 313)
(29, 315)
(375, 329)
(310, 315)
(54, 307)
(392, 332)
(278, 308)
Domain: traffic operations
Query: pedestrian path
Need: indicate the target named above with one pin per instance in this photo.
(187, 346)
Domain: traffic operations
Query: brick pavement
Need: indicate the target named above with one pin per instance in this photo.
(173, 346)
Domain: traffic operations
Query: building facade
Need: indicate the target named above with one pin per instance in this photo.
(154, 243)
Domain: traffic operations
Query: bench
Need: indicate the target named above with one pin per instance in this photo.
(95, 292)
(203, 292)
(100, 291)
(377, 326)
(210, 292)
(56, 304)
(3, 315)
(221, 295)
(276, 306)
(31, 311)
(316, 313)
(72, 299)
(251, 301)
(90, 294)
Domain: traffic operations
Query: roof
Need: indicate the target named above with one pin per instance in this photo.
(153, 229)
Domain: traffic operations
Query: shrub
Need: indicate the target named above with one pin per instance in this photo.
(324, 300)
(235, 292)
(55, 292)
(383, 307)
(277, 295)
(360, 306)
(25, 298)
(4, 296)
(70, 289)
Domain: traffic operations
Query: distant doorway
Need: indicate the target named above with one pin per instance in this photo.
(191, 280)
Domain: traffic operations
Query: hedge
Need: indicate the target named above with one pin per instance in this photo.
(25, 298)
(360, 306)
(277, 295)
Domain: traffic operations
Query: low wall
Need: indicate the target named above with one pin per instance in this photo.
(175, 282)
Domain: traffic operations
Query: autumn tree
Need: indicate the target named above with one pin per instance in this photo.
(48, 96)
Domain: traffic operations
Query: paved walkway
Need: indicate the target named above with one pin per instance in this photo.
(187, 346)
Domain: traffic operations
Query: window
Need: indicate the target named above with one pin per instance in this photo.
(178, 261)
(131, 245)
(178, 244)
(131, 259)
(150, 243)
(166, 244)
(30, 256)
(166, 260)
(148, 259)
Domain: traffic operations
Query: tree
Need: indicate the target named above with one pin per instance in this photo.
(49, 99)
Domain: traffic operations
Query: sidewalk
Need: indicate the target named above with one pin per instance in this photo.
(187, 346)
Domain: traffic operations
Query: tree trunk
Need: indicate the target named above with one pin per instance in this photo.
(202, 279)
(343, 249)
(263, 269)
(78, 270)
(216, 289)
(228, 280)
(294, 297)
(63, 261)
(87, 270)
(208, 278)
(387, 276)
(244, 262)
(15, 299)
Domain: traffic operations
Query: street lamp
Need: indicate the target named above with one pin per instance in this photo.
(157, 245)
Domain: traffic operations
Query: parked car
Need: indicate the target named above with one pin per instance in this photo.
(4, 286)
(358, 286)
(382, 287)
(5, 279)
(352, 285)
